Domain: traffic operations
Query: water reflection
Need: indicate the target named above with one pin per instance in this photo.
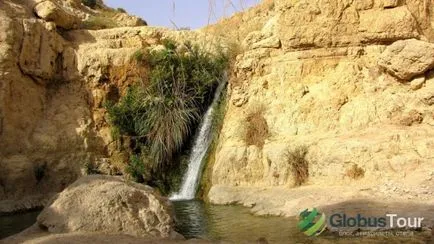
(235, 224)
(190, 220)
(231, 223)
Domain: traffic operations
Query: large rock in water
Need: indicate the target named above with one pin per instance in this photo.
(109, 205)
(408, 58)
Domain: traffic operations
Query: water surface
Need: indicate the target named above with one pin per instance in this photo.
(12, 224)
(235, 224)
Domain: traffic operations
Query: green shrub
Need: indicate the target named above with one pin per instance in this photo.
(139, 55)
(136, 169)
(89, 3)
(163, 114)
(127, 115)
(299, 164)
(121, 10)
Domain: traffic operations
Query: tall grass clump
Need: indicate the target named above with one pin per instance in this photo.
(299, 165)
(256, 127)
(162, 113)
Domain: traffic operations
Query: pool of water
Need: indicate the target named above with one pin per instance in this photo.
(230, 224)
(12, 224)
(235, 224)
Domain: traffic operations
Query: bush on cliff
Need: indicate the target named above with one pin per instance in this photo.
(89, 3)
(299, 165)
(256, 127)
(136, 169)
(163, 112)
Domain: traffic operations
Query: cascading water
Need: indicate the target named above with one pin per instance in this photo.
(203, 140)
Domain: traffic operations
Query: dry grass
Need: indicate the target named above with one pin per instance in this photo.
(256, 128)
(299, 164)
(355, 172)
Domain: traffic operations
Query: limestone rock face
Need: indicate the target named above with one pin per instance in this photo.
(128, 20)
(49, 11)
(408, 58)
(334, 85)
(41, 50)
(53, 85)
(108, 205)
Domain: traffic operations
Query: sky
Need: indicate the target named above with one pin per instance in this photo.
(183, 13)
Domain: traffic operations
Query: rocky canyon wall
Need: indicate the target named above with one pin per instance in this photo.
(349, 80)
(55, 77)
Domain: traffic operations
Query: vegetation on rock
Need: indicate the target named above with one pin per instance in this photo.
(257, 127)
(89, 3)
(161, 112)
(355, 172)
(136, 169)
(299, 165)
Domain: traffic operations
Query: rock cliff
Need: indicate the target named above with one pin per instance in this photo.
(55, 76)
(348, 80)
(341, 89)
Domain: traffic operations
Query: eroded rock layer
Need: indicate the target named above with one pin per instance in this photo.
(54, 83)
(349, 80)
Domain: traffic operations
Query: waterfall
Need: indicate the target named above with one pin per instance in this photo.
(201, 144)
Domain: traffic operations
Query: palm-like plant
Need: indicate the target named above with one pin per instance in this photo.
(163, 113)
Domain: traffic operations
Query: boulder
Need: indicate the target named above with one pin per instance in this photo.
(407, 59)
(126, 20)
(49, 11)
(107, 204)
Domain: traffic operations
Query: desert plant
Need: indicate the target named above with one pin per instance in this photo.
(355, 172)
(161, 113)
(139, 55)
(121, 10)
(136, 169)
(256, 127)
(298, 164)
(89, 3)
